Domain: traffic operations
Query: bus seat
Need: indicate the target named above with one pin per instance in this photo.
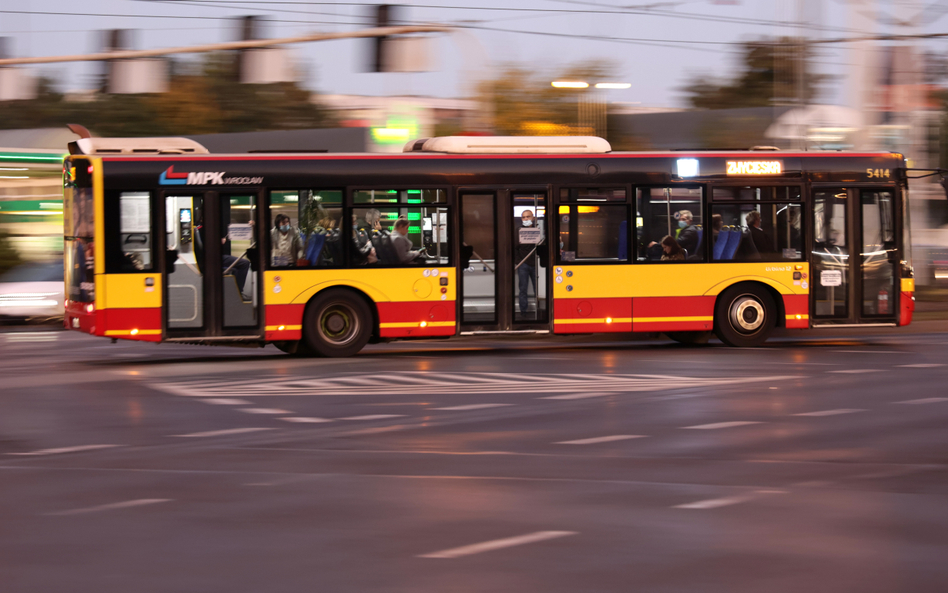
(384, 249)
(313, 247)
(700, 237)
(718, 250)
(733, 242)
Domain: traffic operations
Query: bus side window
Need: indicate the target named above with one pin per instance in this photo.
(669, 225)
(135, 237)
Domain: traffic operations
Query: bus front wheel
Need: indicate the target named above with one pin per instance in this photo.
(745, 315)
(337, 323)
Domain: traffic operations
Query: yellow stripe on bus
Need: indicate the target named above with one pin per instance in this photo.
(658, 319)
(908, 284)
(798, 316)
(600, 320)
(276, 328)
(133, 332)
(417, 324)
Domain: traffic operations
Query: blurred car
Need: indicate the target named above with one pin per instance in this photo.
(32, 292)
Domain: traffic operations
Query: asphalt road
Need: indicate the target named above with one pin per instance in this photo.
(817, 463)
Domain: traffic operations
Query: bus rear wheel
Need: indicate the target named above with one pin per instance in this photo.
(337, 323)
(745, 315)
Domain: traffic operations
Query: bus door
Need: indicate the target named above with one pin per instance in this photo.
(211, 263)
(855, 256)
(504, 261)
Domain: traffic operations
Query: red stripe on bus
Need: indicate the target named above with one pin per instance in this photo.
(793, 305)
(284, 314)
(413, 314)
(592, 309)
(692, 306)
(129, 319)
(673, 326)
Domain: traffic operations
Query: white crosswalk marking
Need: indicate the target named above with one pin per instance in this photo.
(608, 439)
(831, 412)
(472, 407)
(718, 425)
(926, 400)
(424, 383)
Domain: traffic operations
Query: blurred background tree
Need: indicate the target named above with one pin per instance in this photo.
(8, 255)
(522, 102)
(203, 98)
(769, 74)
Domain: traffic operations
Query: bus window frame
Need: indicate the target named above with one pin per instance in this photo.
(349, 205)
(628, 202)
(806, 219)
(705, 204)
(112, 221)
(268, 226)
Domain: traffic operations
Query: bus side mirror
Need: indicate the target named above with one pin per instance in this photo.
(171, 256)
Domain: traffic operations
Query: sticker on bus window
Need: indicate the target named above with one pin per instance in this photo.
(831, 278)
(531, 236)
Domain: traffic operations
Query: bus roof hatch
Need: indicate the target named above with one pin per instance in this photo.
(132, 146)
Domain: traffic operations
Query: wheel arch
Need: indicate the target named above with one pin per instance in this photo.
(771, 286)
(356, 292)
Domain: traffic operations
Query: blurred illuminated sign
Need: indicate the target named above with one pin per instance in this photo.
(754, 167)
(396, 131)
(687, 167)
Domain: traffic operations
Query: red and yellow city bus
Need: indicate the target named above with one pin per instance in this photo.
(322, 253)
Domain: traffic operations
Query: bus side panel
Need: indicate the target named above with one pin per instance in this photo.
(284, 322)
(411, 302)
(592, 299)
(907, 301)
(130, 306)
(416, 319)
(664, 314)
(590, 315)
(797, 310)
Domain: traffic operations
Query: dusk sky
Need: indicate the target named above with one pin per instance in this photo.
(658, 47)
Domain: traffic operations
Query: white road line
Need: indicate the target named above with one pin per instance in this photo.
(264, 411)
(927, 400)
(473, 407)
(498, 544)
(219, 433)
(224, 401)
(65, 450)
(920, 365)
(374, 417)
(874, 351)
(855, 371)
(831, 412)
(33, 337)
(305, 420)
(577, 395)
(717, 425)
(715, 503)
(109, 507)
(594, 440)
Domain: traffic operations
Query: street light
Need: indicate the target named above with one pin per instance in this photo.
(567, 84)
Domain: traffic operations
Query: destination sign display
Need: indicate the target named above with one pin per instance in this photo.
(754, 167)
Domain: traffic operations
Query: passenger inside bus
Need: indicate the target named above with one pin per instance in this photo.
(403, 245)
(285, 244)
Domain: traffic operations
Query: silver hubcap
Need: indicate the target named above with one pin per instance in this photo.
(747, 314)
(338, 324)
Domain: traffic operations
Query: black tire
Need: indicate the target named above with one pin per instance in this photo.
(337, 323)
(690, 338)
(745, 315)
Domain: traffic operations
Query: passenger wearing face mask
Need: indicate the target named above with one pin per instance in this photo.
(285, 243)
(688, 233)
(526, 264)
